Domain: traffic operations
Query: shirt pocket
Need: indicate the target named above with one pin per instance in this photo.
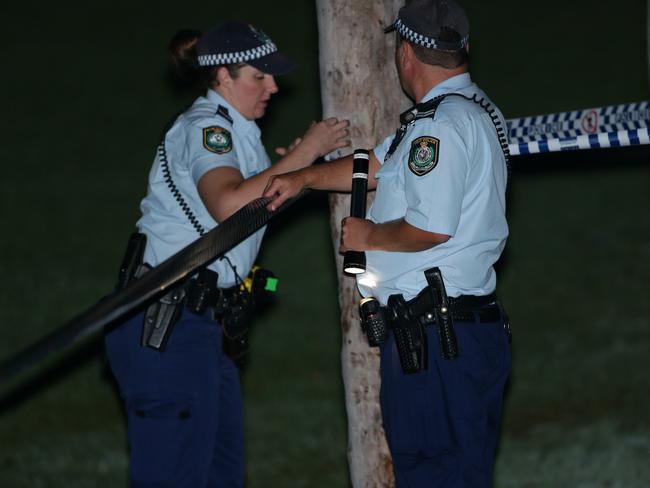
(390, 199)
(389, 169)
(254, 159)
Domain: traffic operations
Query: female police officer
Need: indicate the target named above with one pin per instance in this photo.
(183, 404)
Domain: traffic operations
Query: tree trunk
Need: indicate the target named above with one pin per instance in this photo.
(359, 83)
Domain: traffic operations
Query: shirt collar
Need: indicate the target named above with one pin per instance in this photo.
(450, 85)
(240, 124)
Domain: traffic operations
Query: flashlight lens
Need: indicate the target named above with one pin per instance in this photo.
(354, 270)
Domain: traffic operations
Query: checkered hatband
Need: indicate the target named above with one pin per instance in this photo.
(428, 42)
(238, 56)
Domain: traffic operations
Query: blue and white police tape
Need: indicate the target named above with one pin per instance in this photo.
(612, 126)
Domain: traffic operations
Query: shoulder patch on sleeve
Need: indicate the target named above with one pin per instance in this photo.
(423, 156)
(217, 139)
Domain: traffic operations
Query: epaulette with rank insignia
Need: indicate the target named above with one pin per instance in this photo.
(406, 118)
(421, 163)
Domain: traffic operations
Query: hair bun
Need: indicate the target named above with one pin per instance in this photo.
(182, 51)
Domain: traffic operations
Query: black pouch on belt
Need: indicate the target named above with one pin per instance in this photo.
(235, 311)
(202, 292)
(444, 321)
(410, 336)
(373, 321)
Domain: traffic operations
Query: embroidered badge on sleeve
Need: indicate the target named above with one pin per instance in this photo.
(423, 156)
(217, 139)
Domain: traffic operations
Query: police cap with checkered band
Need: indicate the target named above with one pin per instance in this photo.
(434, 24)
(233, 42)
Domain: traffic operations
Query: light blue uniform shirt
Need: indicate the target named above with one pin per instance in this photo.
(167, 227)
(463, 196)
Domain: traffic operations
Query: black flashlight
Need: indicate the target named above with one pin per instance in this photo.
(354, 262)
(373, 321)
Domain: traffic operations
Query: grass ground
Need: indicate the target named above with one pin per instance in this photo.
(576, 412)
(79, 128)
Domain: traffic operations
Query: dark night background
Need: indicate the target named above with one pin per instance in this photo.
(84, 97)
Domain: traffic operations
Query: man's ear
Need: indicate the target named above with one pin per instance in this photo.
(407, 53)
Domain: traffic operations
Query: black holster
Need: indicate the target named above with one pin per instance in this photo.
(410, 335)
(160, 317)
(408, 321)
(195, 296)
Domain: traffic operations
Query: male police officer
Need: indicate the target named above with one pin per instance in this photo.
(439, 208)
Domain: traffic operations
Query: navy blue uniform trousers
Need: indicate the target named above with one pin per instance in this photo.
(183, 406)
(442, 424)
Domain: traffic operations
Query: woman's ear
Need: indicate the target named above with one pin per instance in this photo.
(223, 77)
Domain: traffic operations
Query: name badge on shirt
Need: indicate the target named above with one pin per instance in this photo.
(217, 139)
(423, 156)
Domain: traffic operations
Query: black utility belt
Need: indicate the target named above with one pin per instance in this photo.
(464, 308)
(199, 295)
(408, 319)
(203, 296)
(232, 307)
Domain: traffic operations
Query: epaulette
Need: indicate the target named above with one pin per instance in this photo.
(416, 112)
(428, 109)
(223, 111)
(422, 110)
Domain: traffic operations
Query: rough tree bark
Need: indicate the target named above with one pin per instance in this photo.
(359, 82)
